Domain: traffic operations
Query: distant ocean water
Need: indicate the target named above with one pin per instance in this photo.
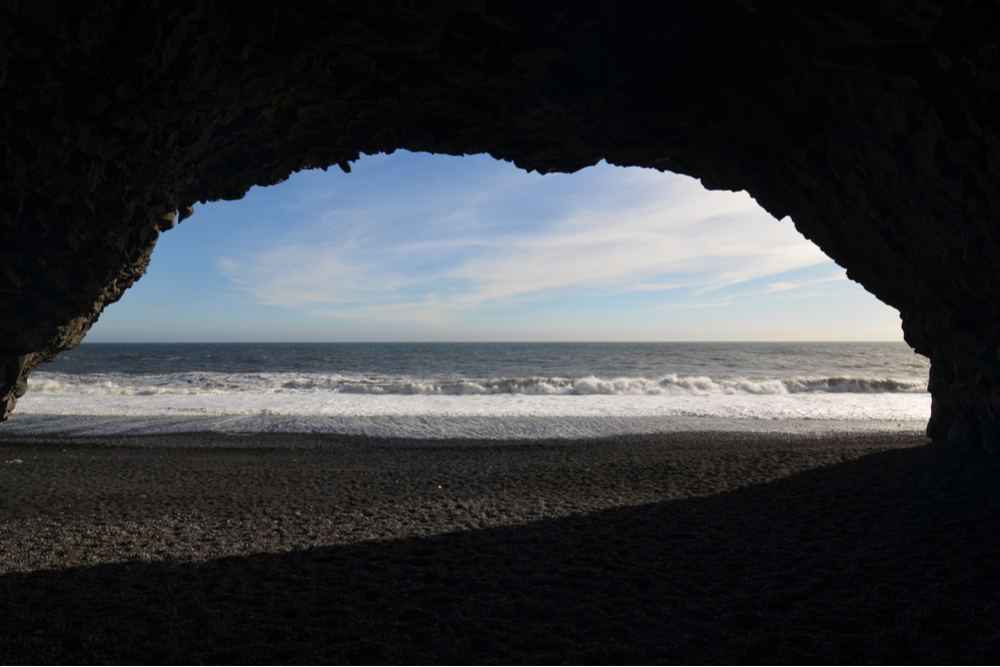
(479, 390)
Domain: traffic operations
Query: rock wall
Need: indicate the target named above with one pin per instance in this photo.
(872, 124)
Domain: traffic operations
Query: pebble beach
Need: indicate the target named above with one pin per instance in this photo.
(707, 547)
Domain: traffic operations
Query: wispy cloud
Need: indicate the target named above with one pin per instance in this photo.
(784, 290)
(785, 286)
(684, 238)
(491, 236)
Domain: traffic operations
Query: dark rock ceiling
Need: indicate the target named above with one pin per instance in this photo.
(873, 124)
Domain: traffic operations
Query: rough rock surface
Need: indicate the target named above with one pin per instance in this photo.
(874, 125)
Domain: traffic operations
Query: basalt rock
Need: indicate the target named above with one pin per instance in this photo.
(874, 125)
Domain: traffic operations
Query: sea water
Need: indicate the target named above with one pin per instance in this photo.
(475, 390)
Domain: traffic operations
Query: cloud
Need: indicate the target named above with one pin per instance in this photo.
(784, 290)
(490, 236)
(683, 238)
(784, 286)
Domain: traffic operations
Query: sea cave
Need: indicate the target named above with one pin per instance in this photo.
(874, 126)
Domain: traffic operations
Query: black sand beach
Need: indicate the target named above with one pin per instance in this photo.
(699, 547)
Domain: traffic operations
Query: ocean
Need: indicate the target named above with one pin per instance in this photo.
(475, 390)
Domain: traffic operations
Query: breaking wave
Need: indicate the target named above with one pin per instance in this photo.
(112, 384)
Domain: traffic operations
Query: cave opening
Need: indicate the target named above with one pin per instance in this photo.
(421, 284)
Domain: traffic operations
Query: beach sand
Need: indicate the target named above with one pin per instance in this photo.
(692, 547)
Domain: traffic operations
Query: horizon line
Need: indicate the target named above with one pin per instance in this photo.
(470, 342)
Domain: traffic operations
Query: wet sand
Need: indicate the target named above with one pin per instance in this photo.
(697, 547)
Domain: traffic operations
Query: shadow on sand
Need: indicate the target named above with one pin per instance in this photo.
(888, 558)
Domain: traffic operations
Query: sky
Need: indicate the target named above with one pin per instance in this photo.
(419, 247)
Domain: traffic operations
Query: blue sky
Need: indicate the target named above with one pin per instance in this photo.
(419, 247)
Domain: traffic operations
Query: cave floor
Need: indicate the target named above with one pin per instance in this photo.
(701, 547)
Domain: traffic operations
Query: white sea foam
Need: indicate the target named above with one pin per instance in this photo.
(216, 384)
(475, 390)
(584, 408)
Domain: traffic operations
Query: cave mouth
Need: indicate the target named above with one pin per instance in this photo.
(411, 266)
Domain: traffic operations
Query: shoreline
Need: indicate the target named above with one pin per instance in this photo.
(493, 428)
(701, 547)
(734, 430)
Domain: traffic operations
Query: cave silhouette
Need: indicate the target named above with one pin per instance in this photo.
(873, 125)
